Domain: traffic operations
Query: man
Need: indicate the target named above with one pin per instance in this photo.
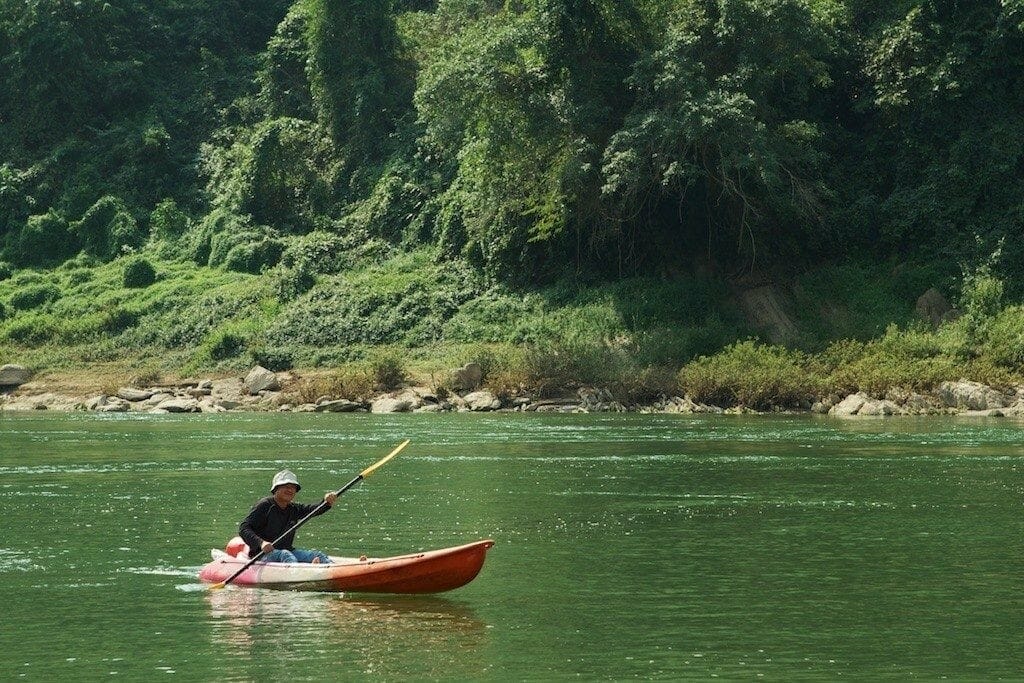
(275, 514)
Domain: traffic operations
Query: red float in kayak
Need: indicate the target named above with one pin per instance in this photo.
(433, 571)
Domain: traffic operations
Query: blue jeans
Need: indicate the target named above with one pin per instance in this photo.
(296, 555)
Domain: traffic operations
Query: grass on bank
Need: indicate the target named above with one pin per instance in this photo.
(186, 320)
(408, 317)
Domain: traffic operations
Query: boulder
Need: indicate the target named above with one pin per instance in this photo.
(680, 404)
(468, 377)
(231, 387)
(482, 400)
(13, 375)
(879, 408)
(113, 404)
(133, 395)
(180, 405)
(970, 396)
(339, 406)
(96, 402)
(547, 408)
(824, 405)
(260, 379)
(388, 404)
(1015, 410)
(849, 405)
(919, 403)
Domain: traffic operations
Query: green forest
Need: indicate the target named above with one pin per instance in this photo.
(566, 191)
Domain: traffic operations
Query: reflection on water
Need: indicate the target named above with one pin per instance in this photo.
(369, 635)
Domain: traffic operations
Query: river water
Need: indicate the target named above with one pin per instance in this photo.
(627, 546)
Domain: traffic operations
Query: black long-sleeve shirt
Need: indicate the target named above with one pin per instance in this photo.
(267, 521)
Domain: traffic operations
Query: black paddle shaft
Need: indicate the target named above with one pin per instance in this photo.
(294, 527)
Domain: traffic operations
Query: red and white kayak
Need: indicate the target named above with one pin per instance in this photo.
(432, 571)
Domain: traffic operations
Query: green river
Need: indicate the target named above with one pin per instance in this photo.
(627, 546)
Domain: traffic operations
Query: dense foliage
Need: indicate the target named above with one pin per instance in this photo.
(500, 149)
(526, 136)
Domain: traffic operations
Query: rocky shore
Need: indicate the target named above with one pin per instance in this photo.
(264, 391)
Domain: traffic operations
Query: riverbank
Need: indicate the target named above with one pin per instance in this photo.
(261, 390)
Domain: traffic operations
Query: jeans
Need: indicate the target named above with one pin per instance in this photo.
(296, 555)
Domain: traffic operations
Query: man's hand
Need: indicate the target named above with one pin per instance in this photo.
(330, 497)
(267, 547)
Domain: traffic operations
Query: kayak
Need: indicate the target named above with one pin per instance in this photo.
(433, 571)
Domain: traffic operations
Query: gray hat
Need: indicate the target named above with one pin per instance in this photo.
(284, 477)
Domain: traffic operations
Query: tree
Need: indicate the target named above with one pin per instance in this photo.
(67, 64)
(517, 107)
(724, 147)
(361, 85)
(945, 136)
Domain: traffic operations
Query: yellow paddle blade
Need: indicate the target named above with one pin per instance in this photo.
(369, 470)
(217, 586)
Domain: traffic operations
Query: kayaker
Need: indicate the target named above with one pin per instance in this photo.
(272, 516)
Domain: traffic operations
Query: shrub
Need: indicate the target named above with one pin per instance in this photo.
(116, 319)
(125, 235)
(230, 339)
(987, 371)
(224, 344)
(45, 239)
(220, 225)
(107, 227)
(81, 260)
(839, 354)
(239, 246)
(981, 293)
(750, 374)
(404, 303)
(646, 385)
(289, 283)
(387, 367)
(107, 322)
(3, 311)
(32, 329)
(323, 252)
(568, 364)
(197, 239)
(79, 276)
(354, 383)
(138, 273)
(1005, 343)
(675, 346)
(27, 277)
(253, 257)
(274, 360)
(145, 378)
(167, 222)
(6, 270)
(877, 372)
(34, 296)
(913, 343)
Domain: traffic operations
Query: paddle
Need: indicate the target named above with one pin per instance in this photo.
(362, 475)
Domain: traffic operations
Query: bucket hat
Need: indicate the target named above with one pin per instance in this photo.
(284, 477)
